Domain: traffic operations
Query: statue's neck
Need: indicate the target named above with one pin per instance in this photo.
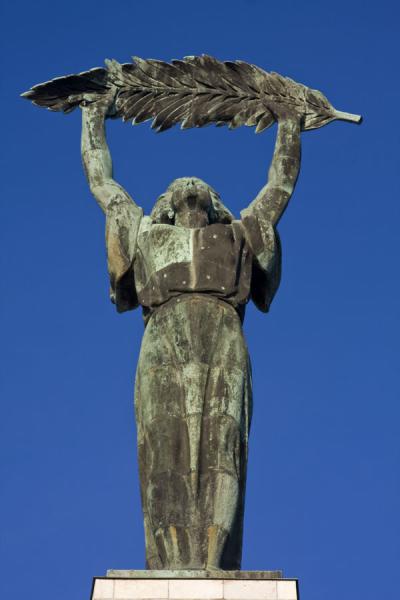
(191, 219)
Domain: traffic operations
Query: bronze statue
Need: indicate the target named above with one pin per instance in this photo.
(192, 267)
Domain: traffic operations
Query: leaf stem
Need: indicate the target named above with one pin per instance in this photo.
(345, 116)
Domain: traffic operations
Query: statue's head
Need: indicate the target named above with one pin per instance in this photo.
(190, 202)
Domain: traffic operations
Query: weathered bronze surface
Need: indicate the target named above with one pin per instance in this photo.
(195, 91)
(192, 267)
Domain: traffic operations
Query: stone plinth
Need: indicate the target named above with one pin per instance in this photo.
(194, 585)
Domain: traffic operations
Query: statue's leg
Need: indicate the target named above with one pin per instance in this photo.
(223, 451)
(172, 524)
(164, 466)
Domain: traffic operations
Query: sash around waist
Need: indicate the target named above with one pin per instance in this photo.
(188, 297)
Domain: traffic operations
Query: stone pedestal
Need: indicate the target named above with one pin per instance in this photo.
(194, 585)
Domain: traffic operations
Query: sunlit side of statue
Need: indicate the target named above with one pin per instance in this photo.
(192, 267)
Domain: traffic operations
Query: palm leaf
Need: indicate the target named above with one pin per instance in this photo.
(195, 91)
(56, 93)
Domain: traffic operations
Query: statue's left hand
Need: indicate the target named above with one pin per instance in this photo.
(285, 112)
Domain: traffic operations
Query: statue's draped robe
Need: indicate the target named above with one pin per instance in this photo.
(193, 381)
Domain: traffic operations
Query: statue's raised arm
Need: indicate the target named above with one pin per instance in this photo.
(96, 155)
(262, 215)
(123, 216)
(270, 203)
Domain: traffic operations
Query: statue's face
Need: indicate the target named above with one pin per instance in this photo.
(191, 201)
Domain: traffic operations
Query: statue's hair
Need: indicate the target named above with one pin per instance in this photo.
(164, 212)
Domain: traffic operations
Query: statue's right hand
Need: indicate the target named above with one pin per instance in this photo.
(99, 104)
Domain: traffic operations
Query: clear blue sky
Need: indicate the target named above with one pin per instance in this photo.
(323, 485)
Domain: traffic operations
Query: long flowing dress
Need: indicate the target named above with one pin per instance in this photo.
(193, 398)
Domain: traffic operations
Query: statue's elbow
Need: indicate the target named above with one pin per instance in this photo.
(98, 187)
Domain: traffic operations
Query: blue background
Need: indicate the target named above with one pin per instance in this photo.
(323, 484)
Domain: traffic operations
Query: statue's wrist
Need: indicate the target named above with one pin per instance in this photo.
(93, 113)
(290, 124)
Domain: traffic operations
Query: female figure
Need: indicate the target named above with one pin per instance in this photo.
(192, 267)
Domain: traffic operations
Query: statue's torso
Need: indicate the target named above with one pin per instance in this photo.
(172, 260)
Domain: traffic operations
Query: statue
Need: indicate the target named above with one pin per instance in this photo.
(192, 267)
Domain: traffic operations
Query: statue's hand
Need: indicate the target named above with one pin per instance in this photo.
(98, 104)
(283, 111)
